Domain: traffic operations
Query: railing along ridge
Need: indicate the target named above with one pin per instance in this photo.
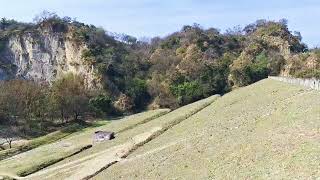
(312, 83)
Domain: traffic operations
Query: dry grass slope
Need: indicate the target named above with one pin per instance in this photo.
(125, 140)
(269, 130)
(43, 156)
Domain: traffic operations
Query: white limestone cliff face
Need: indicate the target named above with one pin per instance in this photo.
(43, 57)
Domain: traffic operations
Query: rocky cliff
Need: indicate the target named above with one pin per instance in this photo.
(43, 56)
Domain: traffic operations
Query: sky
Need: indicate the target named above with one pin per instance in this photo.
(149, 18)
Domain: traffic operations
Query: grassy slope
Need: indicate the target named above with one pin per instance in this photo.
(31, 144)
(125, 137)
(47, 139)
(38, 158)
(269, 130)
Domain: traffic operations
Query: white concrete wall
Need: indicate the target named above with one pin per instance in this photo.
(309, 83)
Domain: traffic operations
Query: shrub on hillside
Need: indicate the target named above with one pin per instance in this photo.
(70, 97)
(137, 90)
(187, 92)
(308, 73)
(101, 105)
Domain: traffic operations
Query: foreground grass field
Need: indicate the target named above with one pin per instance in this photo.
(269, 130)
(38, 158)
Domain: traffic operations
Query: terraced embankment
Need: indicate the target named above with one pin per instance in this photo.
(88, 163)
(38, 158)
(269, 130)
(131, 133)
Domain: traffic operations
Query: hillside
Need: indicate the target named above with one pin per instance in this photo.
(131, 132)
(60, 79)
(267, 130)
(71, 71)
(167, 72)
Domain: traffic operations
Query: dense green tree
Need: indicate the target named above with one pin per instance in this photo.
(187, 92)
(70, 96)
(101, 104)
(137, 89)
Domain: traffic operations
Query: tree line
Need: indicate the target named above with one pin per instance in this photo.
(33, 107)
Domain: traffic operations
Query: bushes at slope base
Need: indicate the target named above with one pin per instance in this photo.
(32, 106)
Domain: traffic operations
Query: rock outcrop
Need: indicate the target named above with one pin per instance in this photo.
(43, 56)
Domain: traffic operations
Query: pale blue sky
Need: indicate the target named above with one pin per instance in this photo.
(161, 17)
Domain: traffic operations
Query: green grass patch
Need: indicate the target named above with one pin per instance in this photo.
(47, 139)
(33, 168)
(27, 163)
